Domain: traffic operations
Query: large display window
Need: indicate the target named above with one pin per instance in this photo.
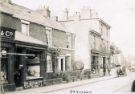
(33, 67)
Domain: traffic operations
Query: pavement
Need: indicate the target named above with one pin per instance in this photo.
(58, 87)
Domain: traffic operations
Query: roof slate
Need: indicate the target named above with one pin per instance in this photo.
(30, 15)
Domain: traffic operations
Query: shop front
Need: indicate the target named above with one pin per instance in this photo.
(7, 61)
(30, 65)
(23, 64)
(99, 62)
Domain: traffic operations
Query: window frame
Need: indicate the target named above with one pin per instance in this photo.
(26, 23)
(49, 36)
(49, 67)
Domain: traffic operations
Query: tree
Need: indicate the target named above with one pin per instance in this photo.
(114, 49)
(54, 53)
(78, 65)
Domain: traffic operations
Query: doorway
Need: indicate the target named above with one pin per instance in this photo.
(18, 70)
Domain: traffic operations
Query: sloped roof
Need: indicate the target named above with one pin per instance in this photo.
(29, 15)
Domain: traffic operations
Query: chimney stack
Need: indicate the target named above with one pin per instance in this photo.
(76, 16)
(45, 11)
(66, 14)
(6, 1)
(88, 13)
(54, 18)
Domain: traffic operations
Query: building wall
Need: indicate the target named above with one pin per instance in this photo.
(104, 31)
(38, 32)
(82, 49)
(10, 22)
(35, 30)
(59, 38)
(94, 25)
(98, 43)
(61, 41)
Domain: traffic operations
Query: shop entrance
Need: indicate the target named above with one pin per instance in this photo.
(18, 71)
(95, 64)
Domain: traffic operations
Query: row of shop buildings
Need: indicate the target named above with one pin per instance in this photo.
(37, 46)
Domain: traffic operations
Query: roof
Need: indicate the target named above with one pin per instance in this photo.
(95, 33)
(105, 23)
(29, 15)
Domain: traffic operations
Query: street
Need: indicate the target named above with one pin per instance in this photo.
(104, 85)
(121, 85)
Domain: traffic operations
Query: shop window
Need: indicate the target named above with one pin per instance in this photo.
(25, 28)
(49, 63)
(33, 67)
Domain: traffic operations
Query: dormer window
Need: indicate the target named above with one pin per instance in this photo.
(25, 27)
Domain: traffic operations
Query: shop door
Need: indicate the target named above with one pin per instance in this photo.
(19, 68)
(17, 73)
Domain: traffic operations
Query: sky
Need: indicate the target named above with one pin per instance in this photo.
(119, 14)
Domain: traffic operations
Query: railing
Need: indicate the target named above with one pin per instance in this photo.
(54, 81)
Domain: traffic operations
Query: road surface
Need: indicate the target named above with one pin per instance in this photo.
(120, 85)
(103, 85)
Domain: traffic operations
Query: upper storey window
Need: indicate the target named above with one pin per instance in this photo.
(68, 40)
(49, 36)
(25, 27)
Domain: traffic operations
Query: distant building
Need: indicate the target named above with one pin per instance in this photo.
(92, 41)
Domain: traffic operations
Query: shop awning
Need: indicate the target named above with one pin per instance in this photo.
(99, 53)
(28, 46)
(24, 38)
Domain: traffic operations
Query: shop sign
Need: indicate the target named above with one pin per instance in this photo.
(7, 32)
(33, 84)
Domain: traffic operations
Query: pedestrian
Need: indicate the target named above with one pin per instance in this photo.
(104, 71)
(109, 69)
(1, 86)
(124, 70)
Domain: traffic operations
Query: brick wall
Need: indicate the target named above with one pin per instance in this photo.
(38, 32)
(59, 38)
(10, 22)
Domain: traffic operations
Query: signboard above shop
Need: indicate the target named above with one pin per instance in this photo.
(7, 32)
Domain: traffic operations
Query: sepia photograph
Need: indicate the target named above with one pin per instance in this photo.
(67, 47)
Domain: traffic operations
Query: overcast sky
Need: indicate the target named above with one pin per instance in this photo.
(119, 14)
